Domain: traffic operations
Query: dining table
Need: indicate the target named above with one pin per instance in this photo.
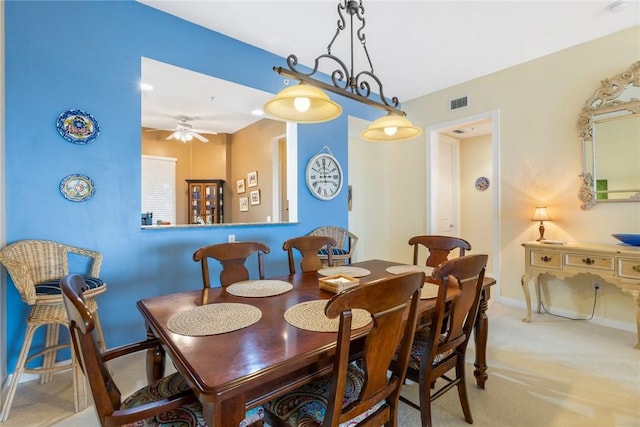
(234, 371)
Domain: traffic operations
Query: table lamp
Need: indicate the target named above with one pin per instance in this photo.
(541, 215)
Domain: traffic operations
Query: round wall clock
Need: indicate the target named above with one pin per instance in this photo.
(324, 176)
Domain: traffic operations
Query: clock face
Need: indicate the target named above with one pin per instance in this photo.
(324, 176)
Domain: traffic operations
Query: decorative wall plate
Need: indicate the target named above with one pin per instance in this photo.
(482, 183)
(77, 188)
(77, 126)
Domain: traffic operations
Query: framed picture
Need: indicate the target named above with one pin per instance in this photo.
(240, 186)
(252, 179)
(244, 204)
(255, 197)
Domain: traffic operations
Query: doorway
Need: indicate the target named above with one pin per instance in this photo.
(463, 177)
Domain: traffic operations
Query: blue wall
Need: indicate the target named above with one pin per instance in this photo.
(63, 55)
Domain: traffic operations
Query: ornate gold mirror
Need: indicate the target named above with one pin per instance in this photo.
(609, 130)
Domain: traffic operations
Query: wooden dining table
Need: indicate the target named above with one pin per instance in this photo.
(232, 372)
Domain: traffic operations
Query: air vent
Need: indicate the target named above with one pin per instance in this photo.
(454, 104)
(458, 131)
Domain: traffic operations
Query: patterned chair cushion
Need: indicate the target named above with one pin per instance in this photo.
(52, 287)
(307, 405)
(334, 251)
(419, 345)
(189, 415)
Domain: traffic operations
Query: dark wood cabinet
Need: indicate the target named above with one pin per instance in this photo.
(205, 201)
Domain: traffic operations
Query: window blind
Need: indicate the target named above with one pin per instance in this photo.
(159, 187)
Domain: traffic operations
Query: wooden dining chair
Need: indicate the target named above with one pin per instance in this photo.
(441, 348)
(439, 248)
(309, 246)
(361, 393)
(232, 256)
(161, 403)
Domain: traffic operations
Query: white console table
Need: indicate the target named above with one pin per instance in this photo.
(616, 264)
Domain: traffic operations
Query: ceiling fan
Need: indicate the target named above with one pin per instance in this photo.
(185, 132)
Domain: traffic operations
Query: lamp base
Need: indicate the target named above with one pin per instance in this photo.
(541, 230)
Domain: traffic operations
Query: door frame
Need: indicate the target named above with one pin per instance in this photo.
(432, 139)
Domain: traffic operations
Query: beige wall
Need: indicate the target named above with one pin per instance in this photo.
(540, 160)
(252, 149)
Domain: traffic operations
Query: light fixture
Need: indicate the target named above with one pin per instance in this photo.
(541, 215)
(307, 103)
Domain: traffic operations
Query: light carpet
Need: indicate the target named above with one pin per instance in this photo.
(550, 372)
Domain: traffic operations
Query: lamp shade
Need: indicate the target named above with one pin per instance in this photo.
(541, 214)
(302, 104)
(390, 128)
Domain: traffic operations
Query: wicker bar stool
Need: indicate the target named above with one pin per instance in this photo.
(36, 267)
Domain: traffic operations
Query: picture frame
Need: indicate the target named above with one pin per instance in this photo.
(244, 204)
(240, 188)
(252, 179)
(255, 197)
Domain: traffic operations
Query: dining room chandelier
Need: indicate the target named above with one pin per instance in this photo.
(307, 103)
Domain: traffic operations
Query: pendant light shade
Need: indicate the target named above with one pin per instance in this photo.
(302, 104)
(390, 128)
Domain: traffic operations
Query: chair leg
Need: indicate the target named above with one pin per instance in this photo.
(79, 384)
(462, 391)
(425, 400)
(19, 369)
(49, 358)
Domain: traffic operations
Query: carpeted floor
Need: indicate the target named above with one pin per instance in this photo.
(551, 372)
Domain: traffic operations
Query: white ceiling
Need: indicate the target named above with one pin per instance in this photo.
(417, 47)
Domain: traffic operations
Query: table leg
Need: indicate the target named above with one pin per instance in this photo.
(228, 413)
(635, 294)
(481, 333)
(155, 360)
(526, 278)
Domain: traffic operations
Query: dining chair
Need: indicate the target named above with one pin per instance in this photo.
(232, 256)
(309, 246)
(35, 268)
(439, 248)
(162, 403)
(441, 347)
(360, 393)
(344, 249)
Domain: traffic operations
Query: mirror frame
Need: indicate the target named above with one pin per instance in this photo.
(604, 100)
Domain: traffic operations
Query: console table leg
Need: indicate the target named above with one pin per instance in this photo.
(636, 298)
(481, 331)
(527, 297)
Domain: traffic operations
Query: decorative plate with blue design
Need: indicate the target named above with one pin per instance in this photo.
(77, 188)
(482, 183)
(77, 126)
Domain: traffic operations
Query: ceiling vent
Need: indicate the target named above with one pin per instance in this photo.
(454, 104)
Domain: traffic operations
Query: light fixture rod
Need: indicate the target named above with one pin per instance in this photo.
(345, 81)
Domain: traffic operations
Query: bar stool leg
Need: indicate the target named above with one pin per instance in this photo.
(15, 379)
(49, 359)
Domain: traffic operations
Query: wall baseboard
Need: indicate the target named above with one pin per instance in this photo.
(602, 321)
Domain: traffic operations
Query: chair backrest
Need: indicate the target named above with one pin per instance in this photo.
(344, 238)
(106, 394)
(232, 256)
(30, 262)
(389, 301)
(308, 246)
(464, 274)
(439, 248)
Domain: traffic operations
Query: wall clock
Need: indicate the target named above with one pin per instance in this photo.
(324, 176)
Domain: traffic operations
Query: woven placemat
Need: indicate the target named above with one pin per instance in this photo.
(259, 288)
(310, 316)
(212, 319)
(409, 268)
(429, 290)
(344, 270)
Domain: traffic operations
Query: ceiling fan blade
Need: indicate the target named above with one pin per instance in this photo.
(200, 137)
(174, 135)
